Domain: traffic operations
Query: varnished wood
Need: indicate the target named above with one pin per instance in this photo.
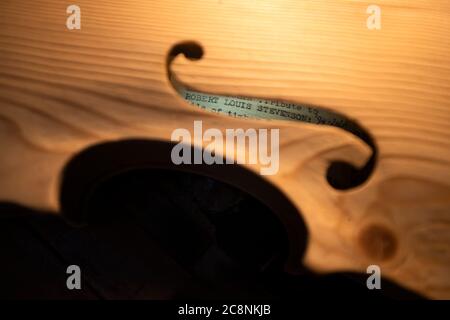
(62, 91)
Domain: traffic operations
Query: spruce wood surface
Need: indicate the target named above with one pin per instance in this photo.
(62, 91)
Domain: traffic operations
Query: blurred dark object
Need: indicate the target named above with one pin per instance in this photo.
(161, 234)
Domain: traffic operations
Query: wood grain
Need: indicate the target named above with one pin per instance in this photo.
(62, 91)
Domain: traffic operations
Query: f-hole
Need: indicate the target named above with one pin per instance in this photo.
(340, 175)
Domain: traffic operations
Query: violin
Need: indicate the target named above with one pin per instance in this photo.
(353, 99)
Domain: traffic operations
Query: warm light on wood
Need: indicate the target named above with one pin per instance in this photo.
(64, 90)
